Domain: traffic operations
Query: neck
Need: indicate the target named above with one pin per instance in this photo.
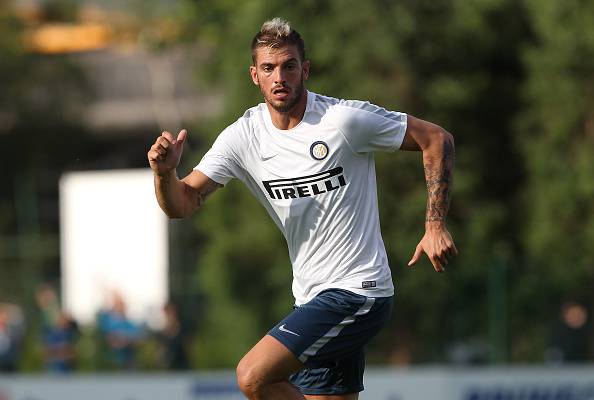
(291, 118)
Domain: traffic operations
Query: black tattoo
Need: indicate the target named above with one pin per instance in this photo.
(208, 189)
(439, 177)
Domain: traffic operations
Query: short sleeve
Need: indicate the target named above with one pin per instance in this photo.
(367, 127)
(221, 163)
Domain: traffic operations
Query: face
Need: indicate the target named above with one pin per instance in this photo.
(280, 74)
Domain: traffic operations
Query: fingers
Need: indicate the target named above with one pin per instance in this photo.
(168, 136)
(165, 153)
(439, 250)
(436, 260)
(441, 257)
(163, 144)
(165, 140)
(452, 250)
(438, 263)
(416, 255)
(158, 151)
(181, 137)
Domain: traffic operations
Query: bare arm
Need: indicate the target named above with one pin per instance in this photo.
(178, 198)
(437, 146)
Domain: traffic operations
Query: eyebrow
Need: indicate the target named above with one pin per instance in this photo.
(268, 64)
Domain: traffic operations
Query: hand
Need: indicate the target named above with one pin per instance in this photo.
(437, 243)
(165, 153)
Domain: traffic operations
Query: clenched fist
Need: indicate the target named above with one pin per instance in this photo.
(165, 153)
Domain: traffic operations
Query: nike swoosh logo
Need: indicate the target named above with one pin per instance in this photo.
(265, 158)
(283, 329)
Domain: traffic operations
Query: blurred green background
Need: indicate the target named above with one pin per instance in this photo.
(89, 85)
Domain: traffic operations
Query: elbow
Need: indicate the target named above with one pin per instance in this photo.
(441, 135)
(176, 213)
(440, 142)
(442, 139)
(179, 214)
(172, 214)
(185, 205)
(448, 139)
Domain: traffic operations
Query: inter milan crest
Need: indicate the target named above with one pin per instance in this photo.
(318, 150)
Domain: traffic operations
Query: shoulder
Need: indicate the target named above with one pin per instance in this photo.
(252, 114)
(332, 103)
(341, 111)
(244, 126)
(329, 109)
(357, 113)
(324, 105)
(360, 108)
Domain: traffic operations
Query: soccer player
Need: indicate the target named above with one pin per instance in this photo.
(308, 159)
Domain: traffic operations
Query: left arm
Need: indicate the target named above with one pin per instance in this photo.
(437, 146)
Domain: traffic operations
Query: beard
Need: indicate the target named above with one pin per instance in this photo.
(285, 106)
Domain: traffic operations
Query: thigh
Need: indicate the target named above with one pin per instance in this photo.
(338, 377)
(328, 335)
(269, 361)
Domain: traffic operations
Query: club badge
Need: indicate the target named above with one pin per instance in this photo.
(319, 150)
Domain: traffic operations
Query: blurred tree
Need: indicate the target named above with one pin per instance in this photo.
(556, 135)
(41, 103)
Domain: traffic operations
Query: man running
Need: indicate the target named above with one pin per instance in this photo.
(309, 160)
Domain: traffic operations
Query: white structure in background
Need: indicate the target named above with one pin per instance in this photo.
(113, 239)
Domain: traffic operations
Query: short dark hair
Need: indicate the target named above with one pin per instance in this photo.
(277, 33)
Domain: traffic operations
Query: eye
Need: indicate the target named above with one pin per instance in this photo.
(267, 68)
(291, 67)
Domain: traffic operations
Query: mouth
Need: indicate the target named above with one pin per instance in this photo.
(281, 92)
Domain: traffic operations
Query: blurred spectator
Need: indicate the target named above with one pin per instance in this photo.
(120, 334)
(12, 328)
(47, 301)
(59, 332)
(172, 339)
(59, 344)
(570, 335)
(472, 351)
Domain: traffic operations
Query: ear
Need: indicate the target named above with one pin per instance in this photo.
(254, 74)
(305, 69)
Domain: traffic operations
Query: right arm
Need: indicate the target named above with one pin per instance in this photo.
(178, 198)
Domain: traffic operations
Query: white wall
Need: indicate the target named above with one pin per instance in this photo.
(113, 237)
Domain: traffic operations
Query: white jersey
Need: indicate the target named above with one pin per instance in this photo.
(317, 182)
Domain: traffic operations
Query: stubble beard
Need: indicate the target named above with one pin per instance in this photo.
(285, 107)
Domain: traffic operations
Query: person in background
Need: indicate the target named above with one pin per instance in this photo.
(59, 331)
(60, 344)
(570, 335)
(172, 338)
(120, 334)
(12, 328)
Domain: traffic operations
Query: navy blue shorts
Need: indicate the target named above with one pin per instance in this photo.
(328, 335)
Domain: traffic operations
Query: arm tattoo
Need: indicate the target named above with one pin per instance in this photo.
(208, 189)
(439, 177)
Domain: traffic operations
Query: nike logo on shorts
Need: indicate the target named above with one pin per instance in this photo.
(283, 329)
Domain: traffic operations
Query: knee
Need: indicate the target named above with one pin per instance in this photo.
(249, 380)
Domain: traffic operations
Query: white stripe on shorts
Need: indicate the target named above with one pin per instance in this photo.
(334, 331)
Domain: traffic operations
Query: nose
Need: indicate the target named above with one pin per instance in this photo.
(279, 76)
